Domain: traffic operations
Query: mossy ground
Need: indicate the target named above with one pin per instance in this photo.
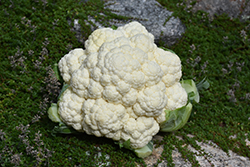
(35, 35)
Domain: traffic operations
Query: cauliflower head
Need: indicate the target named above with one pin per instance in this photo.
(120, 85)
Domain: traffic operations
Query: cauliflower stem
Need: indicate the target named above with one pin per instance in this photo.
(140, 152)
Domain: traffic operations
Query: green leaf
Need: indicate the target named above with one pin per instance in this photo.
(64, 129)
(125, 144)
(167, 49)
(114, 27)
(176, 119)
(57, 72)
(204, 84)
(191, 89)
(53, 113)
(65, 86)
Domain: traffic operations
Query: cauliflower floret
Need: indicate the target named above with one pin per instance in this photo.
(133, 29)
(140, 131)
(111, 94)
(100, 36)
(71, 62)
(161, 118)
(120, 85)
(103, 118)
(70, 109)
(143, 42)
(151, 101)
(130, 98)
(170, 64)
(153, 72)
(177, 97)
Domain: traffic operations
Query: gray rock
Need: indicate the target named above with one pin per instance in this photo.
(234, 8)
(152, 15)
(216, 156)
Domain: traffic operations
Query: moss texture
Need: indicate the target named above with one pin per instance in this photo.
(35, 34)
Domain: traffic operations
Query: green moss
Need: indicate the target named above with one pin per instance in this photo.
(223, 109)
(220, 43)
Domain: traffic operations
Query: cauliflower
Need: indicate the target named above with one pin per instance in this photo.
(121, 86)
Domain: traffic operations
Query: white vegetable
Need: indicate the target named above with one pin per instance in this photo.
(121, 85)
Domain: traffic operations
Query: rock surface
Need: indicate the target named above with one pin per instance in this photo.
(218, 157)
(152, 15)
(158, 20)
(234, 8)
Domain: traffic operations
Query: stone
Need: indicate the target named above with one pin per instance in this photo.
(214, 156)
(157, 19)
(234, 8)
